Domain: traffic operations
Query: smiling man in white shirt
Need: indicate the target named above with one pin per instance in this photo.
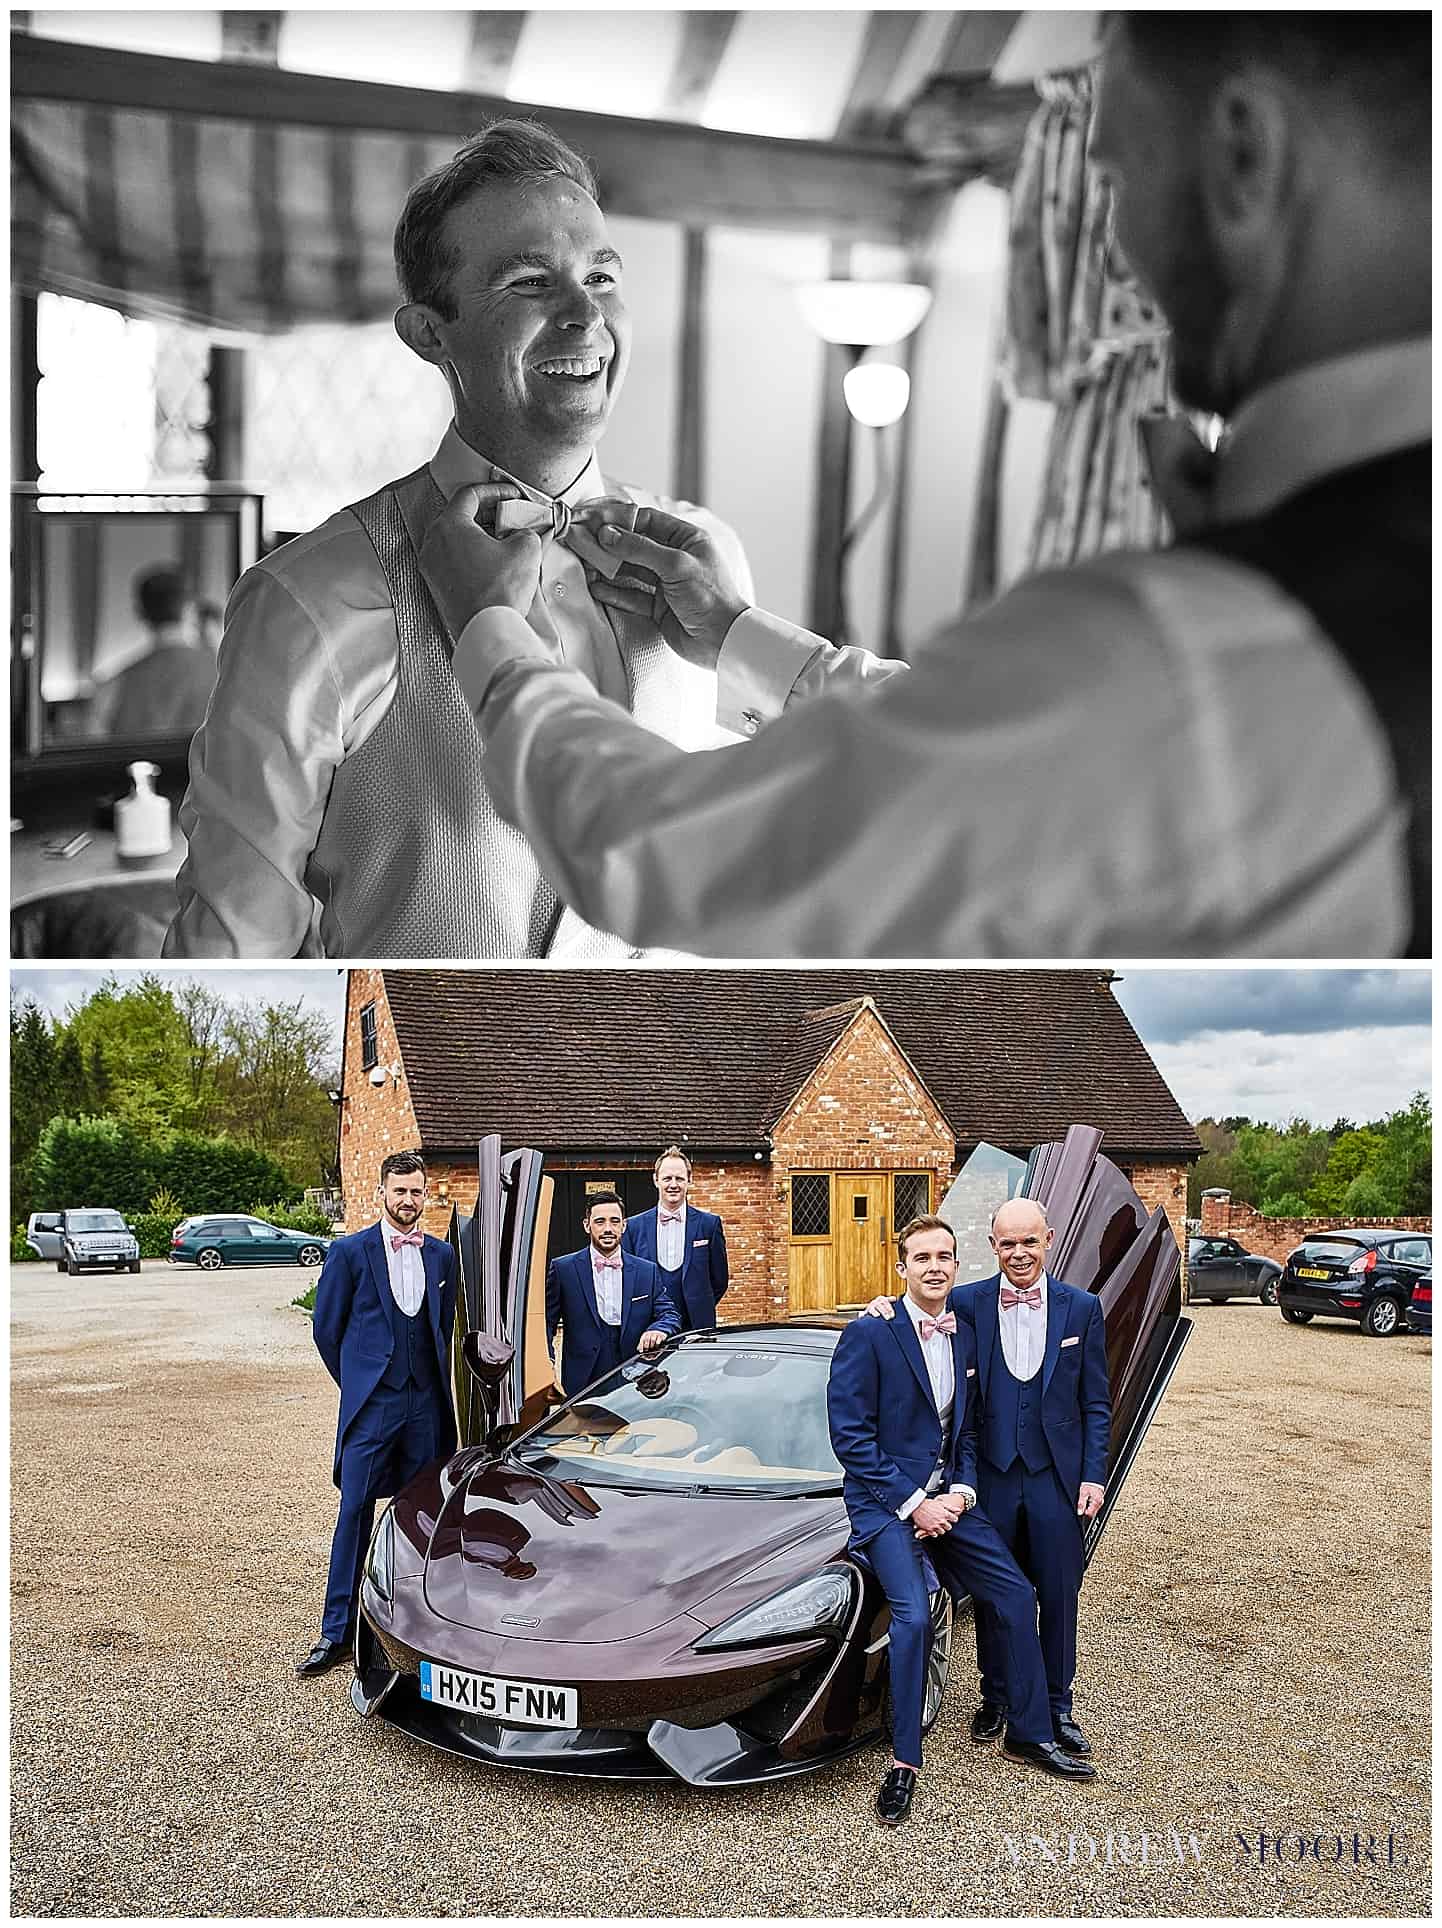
(337, 799)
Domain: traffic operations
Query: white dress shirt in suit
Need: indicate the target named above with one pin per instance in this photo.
(670, 1241)
(308, 670)
(1108, 731)
(406, 1270)
(607, 1281)
(1023, 1334)
(941, 1371)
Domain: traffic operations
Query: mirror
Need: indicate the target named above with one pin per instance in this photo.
(118, 612)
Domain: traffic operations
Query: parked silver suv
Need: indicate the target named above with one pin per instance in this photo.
(89, 1238)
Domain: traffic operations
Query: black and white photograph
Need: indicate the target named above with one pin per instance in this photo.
(771, 484)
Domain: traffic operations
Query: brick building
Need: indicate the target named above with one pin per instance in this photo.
(1226, 1217)
(821, 1108)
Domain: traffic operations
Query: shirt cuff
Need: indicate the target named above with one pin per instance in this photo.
(970, 1492)
(761, 658)
(491, 640)
(905, 1512)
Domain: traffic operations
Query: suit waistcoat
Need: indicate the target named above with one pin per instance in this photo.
(414, 1359)
(1355, 550)
(412, 857)
(1016, 1404)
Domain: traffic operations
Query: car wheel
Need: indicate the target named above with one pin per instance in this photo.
(1294, 1317)
(135, 1265)
(72, 1266)
(208, 1259)
(1382, 1318)
(943, 1619)
(310, 1255)
(59, 1265)
(1268, 1294)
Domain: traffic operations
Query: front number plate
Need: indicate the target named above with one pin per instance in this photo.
(527, 1703)
(1311, 1272)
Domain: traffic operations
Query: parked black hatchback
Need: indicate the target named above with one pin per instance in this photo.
(1363, 1275)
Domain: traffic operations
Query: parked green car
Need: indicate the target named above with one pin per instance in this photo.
(226, 1239)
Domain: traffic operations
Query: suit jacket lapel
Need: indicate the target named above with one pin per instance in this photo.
(958, 1390)
(1055, 1332)
(587, 1279)
(905, 1335)
(628, 1280)
(380, 1273)
(988, 1328)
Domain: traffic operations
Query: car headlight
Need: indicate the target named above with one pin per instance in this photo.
(822, 1603)
(380, 1560)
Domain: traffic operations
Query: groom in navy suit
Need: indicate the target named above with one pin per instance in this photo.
(608, 1303)
(385, 1305)
(685, 1244)
(902, 1408)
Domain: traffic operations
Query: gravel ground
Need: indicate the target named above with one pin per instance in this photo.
(1254, 1660)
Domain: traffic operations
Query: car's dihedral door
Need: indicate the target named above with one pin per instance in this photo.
(525, 1212)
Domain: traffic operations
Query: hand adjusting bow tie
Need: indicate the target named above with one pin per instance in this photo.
(398, 1239)
(946, 1324)
(555, 518)
(1029, 1295)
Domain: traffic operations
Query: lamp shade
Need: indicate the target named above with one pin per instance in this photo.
(864, 314)
(877, 393)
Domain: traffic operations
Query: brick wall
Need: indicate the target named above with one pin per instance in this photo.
(376, 1119)
(1164, 1185)
(1274, 1238)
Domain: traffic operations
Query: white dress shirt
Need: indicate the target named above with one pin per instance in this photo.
(1095, 764)
(607, 1281)
(670, 1242)
(406, 1271)
(308, 669)
(940, 1363)
(1023, 1334)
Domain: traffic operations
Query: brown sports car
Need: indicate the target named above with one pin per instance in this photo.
(651, 1580)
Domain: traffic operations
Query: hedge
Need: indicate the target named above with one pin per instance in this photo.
(101, 1161)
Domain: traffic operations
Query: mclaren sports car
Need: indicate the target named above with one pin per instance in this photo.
(651, 1579)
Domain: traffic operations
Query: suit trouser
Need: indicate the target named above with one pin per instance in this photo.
(971, 1558)
(391, 1438)
(1039, 1523)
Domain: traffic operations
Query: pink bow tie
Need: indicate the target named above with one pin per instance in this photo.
(673, 1218)
(1029, 1295)
(612, 1264)
(946, 1324)
(398, 1239)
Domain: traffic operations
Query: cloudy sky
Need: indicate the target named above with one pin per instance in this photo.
(1270, 1045)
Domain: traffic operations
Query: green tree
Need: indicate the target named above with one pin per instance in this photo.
(91, 1161)
(1404, 1164)
(1354, 1153)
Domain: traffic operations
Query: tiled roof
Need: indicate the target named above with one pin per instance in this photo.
(629, 1059)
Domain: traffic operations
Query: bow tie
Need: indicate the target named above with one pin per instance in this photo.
(945, 1324)
(612, 1264)
(1029, 1295)
(558, 520)
(1183, 471)
(673, 1218)
(398, 1239)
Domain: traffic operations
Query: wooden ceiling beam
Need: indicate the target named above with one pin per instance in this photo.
(660, 170)
(975, 42)
(705, 36)
(887, 34)
(492, 50)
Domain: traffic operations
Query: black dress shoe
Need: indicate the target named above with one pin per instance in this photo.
(893, 1803)
(987, 1723)
(1049, 1758)
(1069, 1737)
(324, 1655)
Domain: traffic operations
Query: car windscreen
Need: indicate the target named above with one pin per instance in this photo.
(94, 1222)
(1331, 1248)
(706, 1417)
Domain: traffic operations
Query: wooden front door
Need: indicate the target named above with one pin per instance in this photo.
(863, 1236)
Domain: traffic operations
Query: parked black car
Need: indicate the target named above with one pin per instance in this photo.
(1419, 1309)
(1363, 1275)
(1219, 1268)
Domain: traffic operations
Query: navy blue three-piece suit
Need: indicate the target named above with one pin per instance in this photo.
(698, 1284)
(592, 1346)
(887, 1433)
(394, 1375)
(1039, 1439)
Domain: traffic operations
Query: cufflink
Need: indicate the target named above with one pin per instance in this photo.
(751, 721)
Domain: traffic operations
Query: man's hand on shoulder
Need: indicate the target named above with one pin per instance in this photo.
(674, 573)
(879, 1308)
(467, 570)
